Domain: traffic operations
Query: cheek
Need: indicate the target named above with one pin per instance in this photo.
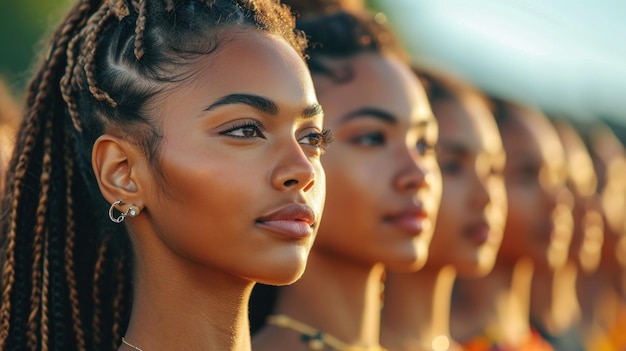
(204, 198)
(452, 207)
(499, 206)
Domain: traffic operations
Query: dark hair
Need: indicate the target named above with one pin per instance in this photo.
(333, 31)
(66, 272)
(446, 86)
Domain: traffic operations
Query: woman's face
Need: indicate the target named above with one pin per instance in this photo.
(473, 206)
(243, 184)
(383, 181)
(587, 237)
(539, 222)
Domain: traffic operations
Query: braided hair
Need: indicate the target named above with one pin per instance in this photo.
(66, 271)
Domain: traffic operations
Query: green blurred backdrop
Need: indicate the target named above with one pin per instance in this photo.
(23, 25)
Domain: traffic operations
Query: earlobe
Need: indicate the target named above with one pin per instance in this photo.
(112, 162)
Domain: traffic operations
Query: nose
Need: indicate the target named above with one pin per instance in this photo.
(413, 173)
(294, 170)
(480, 191)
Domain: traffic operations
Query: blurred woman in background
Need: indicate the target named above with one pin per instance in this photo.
(469, 226)
(383, 185)
(602, 294)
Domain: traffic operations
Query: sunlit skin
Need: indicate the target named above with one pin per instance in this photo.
(238, 196)
(473, 207)
(383, 181)
(539, 221)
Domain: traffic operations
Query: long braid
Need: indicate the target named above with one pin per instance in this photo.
(39, 239)
(39, 91)
(8, 269)
(98, 272)
(69, 254)
(44, 299)
(118, 307)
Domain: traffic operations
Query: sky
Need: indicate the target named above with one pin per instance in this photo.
(566, 57)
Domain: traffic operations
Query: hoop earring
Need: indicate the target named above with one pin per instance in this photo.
(132, 211)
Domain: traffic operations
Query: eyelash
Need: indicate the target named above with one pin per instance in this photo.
(254, 125)
(369, 139)
(323, 139)
(424, 147)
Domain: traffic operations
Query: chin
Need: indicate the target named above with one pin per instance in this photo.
(409, 261)
(281, 274)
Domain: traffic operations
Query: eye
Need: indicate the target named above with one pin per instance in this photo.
(451, 167)
(317, 139)
(424, 147)
(245, 130)
(369, 139)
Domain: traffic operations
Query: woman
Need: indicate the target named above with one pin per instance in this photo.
(469, 225)
(383, 187)
(495, 311)
(601, 294)
(174, 145)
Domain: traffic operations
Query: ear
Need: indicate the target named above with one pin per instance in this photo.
(115, 164)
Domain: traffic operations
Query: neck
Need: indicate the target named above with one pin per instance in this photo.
(339, 298)
(554, 303)
(590, 288)
(417, 309)
(178, 305)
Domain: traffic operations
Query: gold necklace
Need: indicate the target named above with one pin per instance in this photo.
(130, 345)
(314, 338)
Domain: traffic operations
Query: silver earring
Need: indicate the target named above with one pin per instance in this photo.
(132, 211)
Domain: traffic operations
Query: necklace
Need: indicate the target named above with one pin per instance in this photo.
(314, 338)
(130, 345)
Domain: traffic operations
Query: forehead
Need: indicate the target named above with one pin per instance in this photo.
(377, 82)
(251, 62)
(467, 121)
(579, 163)
(529, 135)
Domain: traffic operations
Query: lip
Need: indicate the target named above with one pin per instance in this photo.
(478, 232)
(293, 220)
(412, 220)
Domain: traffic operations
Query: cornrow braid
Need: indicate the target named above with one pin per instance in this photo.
(65, 280)
(89, 51)
(140, 6)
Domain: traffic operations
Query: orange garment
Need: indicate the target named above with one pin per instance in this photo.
(485, 342)
(614, 338)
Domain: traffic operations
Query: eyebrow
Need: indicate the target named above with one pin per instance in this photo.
(452, 147)
(262, 104)
(255, 101)
(370, 112)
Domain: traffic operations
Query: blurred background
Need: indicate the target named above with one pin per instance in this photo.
(566, 57)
